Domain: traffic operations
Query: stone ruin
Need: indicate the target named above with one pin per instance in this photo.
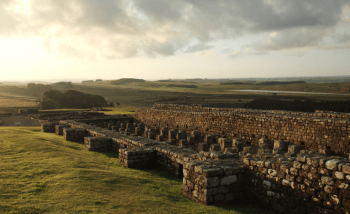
(290, 162)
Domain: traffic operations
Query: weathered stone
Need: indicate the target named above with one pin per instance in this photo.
(332, 164)
(227, 180)
(331, 190)
(278, 144)
(213, 172)
(211, 182)
(327, 180)
(212, 191)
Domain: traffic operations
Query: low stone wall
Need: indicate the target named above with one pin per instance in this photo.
(311, 132)
(214, 182)
(140, 158)
(74, 134)
(98, 144)
(49, 127)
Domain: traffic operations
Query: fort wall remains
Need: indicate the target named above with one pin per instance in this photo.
(313, 131)
(280, 173)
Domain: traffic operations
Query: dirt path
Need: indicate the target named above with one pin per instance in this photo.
(11, 120)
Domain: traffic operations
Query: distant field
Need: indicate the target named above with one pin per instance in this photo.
(145, 94)
(42, 173)
(7, 100)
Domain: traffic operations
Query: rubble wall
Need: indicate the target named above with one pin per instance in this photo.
(202, 108)
(313, 133)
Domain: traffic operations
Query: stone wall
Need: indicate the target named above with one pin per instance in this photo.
(309, 183)
(313, 133)
(214, 182)
(202, 108)
(284, 177)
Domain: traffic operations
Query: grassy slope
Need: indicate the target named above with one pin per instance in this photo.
(42, 173)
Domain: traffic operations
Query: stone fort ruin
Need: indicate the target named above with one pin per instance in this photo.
(290, 162)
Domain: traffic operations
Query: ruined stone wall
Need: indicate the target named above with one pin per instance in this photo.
(312, 132)
(299, 181)
(200, 108)
(309, 183)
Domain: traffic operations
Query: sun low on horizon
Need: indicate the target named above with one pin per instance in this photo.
(160, 39)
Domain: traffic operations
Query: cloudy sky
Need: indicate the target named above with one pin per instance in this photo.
(161, 39)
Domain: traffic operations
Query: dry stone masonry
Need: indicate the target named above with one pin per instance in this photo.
(290, 162)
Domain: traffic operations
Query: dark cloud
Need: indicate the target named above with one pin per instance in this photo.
(126, 28)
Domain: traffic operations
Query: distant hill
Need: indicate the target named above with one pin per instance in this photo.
(126, 81)
(165, 81)
(182, 86)
(235, 83)
(280, 82)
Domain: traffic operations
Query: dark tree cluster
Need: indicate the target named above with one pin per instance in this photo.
(298, 105)
(54, 99)
(235, 83)
(63, 84)
(280, 83)
(126, 81)
(38, 87)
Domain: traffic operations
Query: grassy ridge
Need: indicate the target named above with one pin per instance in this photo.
(42, 173)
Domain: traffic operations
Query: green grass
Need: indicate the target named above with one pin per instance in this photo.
(42, 173)
(116, 110)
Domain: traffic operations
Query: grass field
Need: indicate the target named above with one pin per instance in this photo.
(7, 100)
(144, 95)
(42, 173)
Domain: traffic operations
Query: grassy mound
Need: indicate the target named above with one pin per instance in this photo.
(42, 173)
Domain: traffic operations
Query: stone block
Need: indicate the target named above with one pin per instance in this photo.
(190, 140)
(181, 135)
(183, 143)
(278, 144)
(293, 149)
(214, 147)
(212, 191)
(231, 150)
(160, 138)
(203, 147)
(210, 139)
(172, 134)
(248, 149)
(346, 168)
(213, 172)
(332, 164)
(225, 143)
(227, 180)
(211, 182)
(195, 134)
(236, 143)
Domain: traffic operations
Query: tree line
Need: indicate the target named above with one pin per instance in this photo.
(54, 99)
(299, 105)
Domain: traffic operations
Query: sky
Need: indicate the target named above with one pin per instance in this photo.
(166, 39)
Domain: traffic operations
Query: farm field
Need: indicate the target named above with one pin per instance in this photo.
(42, 173)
